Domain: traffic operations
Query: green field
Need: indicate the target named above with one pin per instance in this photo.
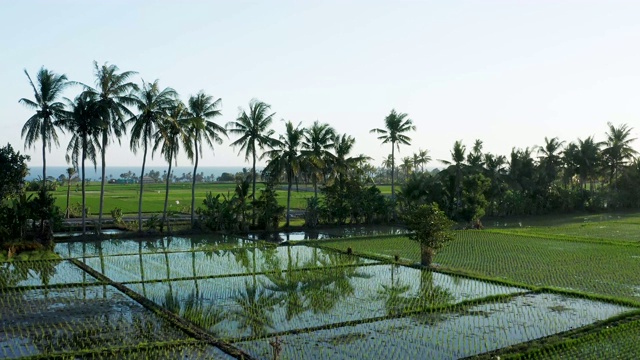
(125, 196)
(597, 256)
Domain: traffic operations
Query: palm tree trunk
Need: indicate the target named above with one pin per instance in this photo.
(393, 165)
(144, 160)
(104, 170)
(193, 185)
(166, 197)
(68, 193)
(84, 205)
(289, 200)
(315, 185)
(44, 164)
(253, 195)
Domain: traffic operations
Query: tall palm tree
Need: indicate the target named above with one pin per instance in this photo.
(254, 132)
(457, 160)
(203, 109)
(396, 124)
(168, 138)
(317, 144)
(589, 160)
(407, 166)
(285, 157)
(113, 95)
(82, 120)
(48, 108)
(618, 149)
(71, 171)
(152, 105)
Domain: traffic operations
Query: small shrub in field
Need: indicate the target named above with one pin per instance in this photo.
(430, 227)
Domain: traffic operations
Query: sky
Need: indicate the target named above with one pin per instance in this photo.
(507, 72)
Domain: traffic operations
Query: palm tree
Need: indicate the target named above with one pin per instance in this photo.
(457, 159)
(396, 124)
(113, 95)
(618, 149)
(152, 104)
(340, 162)
(203, 108)
(423, 158)
(168, 138)
(285, 157)
(82, 120)
(71, 171)
(42, 125)
(550, 158)
(407, 166)
(317, 144)
(589, 159)
(254, 132)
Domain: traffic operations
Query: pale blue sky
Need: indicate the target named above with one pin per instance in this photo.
(506, 72)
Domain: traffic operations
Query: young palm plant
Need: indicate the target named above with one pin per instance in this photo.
(152, 105)
(202, 108)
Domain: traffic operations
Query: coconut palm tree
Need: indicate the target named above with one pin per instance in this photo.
(71, 171)
(340, 162)
(200, 127)
(618, 149)
(550, 158)
(285, 157)
(152, 105)
(82, 120)
(589, 160)
(113, 95)
(42, 125)
(424, 158)
(457, 159)
(254, 132)
(396, 124)
(168, 138)
(317, 145)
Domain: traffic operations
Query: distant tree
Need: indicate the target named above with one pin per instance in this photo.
(42, 125)
(317, 146)
(430, 227)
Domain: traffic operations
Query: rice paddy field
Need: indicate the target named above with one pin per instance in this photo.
(524, 290)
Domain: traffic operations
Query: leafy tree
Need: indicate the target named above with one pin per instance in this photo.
(152, 104)
(430, 227)
(42, 125)
(396, 124)
(14, 170)
(254, 132)
(473, 198)
(112, 94)
(202, 108)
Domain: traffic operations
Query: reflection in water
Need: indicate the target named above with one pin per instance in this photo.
(14, 273)
(397, 301)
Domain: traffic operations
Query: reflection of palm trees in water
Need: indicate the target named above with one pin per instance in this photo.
(428, 294)
(195, 309)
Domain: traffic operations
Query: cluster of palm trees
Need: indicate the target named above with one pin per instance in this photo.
(158, 121)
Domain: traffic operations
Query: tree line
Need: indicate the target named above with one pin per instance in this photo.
(558, 176)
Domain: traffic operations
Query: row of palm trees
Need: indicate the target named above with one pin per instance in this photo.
(158, 121)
